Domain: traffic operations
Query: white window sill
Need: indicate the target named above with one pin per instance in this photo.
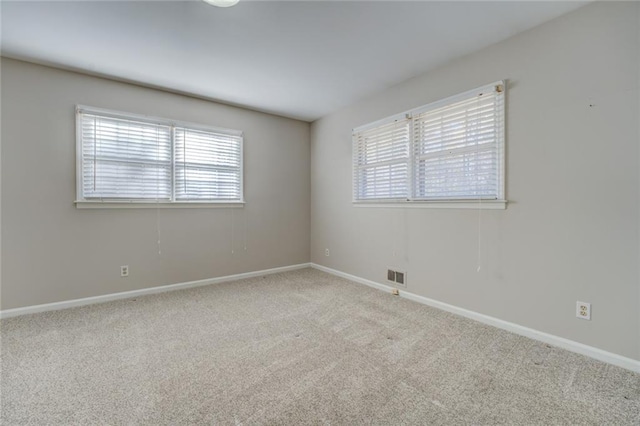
(156, 205)
(451, 204)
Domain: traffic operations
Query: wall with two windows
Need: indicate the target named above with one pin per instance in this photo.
(571, 227)
(53, 251)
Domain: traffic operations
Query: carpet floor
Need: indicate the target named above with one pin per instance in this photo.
(301, 347)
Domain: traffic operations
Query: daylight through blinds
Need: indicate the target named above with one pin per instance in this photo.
(448, 150)
(124, 158)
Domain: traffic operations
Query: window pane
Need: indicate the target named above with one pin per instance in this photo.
(457, 146)
(208, 166)
(125, 159)
(453, 149)
(381, 162)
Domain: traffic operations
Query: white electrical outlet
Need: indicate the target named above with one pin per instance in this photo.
(326, 252)
(124, 271)
(583, 310)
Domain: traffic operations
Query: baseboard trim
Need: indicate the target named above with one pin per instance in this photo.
(561, 342)
(8, 313)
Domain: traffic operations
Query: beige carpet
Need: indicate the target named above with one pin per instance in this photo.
(301, 347)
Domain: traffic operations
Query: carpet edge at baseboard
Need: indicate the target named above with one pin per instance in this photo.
(561, 342)
(66, 304)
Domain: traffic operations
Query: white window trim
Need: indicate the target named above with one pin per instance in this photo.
(155, 205)
(448, 204)
(499, 204)
(127, 204)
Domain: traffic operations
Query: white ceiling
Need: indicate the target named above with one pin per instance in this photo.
(296, 59)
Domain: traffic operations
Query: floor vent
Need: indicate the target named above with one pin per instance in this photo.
(397, 277)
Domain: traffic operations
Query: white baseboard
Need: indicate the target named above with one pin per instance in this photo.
(570, 345)
(590, 351)
(7, 313)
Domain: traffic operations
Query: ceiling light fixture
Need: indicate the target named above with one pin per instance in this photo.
(222, 3)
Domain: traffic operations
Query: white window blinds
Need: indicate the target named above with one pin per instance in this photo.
(458, 148)
(130, 158)
(451, 150)
(125, 159)
(207, 165)
(381, 161)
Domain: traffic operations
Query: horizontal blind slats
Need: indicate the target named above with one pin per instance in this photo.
(208, 165)
(456, 149)
(132, 159)
(453, 151)
(381, 162)
(125, 159)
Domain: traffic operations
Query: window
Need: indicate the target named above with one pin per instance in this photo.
(451, 150)
(381, 161)
(124, 158)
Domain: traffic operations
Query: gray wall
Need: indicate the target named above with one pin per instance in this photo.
(53, 251)
(571, 229)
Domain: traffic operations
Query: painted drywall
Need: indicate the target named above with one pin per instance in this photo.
(571, 229)
(53, 251)
(638, 122)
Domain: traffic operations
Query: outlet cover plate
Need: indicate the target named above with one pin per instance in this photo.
(583, 310)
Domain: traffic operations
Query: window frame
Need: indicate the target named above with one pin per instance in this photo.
(411, 202)
(376, 125)
(83, 203)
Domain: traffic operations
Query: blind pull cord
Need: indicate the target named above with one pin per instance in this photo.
(479, 234)
(246, 228)
(232, 230)
(158, 194)
(158, 230)
(405, 224)
(395, 235)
